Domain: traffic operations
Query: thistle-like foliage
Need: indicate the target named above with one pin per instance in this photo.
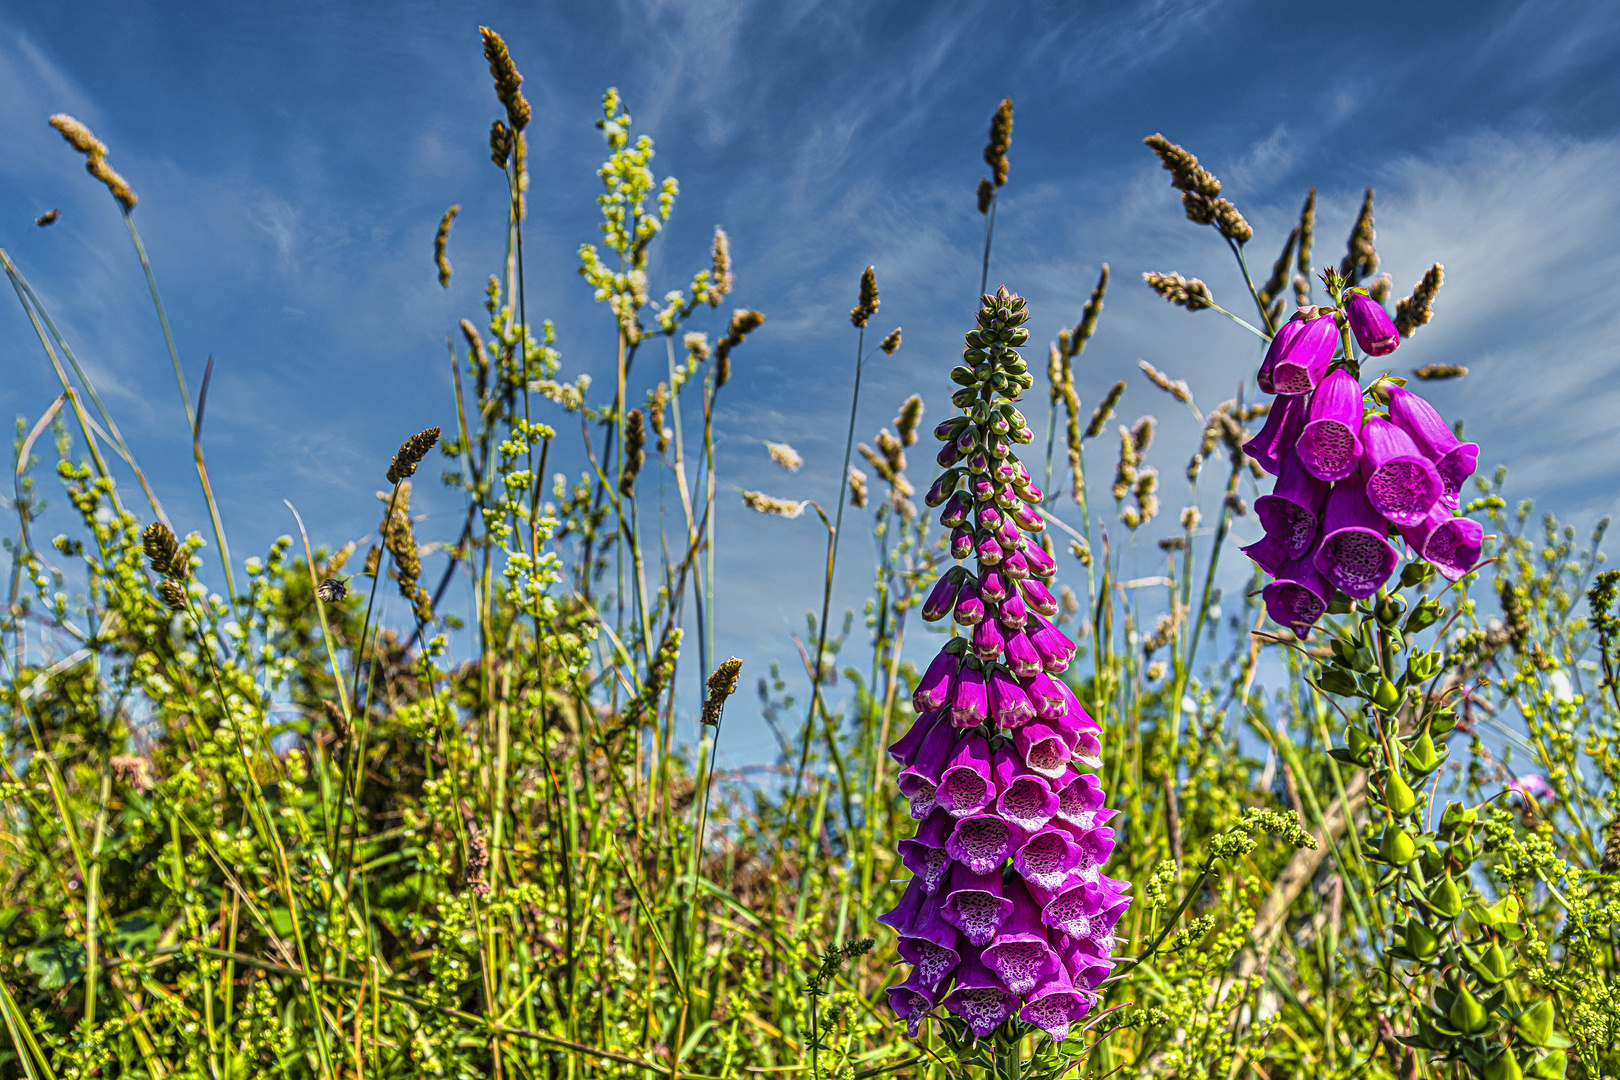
(1008, 914)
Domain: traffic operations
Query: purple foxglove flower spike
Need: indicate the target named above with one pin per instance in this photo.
(1293, 510)
(970, 705)
(1008, 703)
(988, 549)
(1056, 650)
(1374, 329)
(1039, 598)
(1012, 612)
(1023, 797)
(911, 1001)
(904, 751)
(969, 607)
(1054, 1005)
(1300, 594)
(1049, 858)
(1453, 459)
(1452, 545)
(1045, 693)
(1044, 748)
(978, 997)
(1354, 554)
(956, 510)
(993, 586)
(1024, 660)
(1041, 564)
(1276, 439)
(1016, 564)
(1281, 340)
(1021, 956)
(983, 842)
(1304, 358)
(975, 904)
(919, 781)
(961, 542)
(924, 854)
(1402, 484)
(988, 640)
(942, 598)
(966, 787)
(1330, 445)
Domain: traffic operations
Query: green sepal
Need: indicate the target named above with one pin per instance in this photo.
(1336, 680)
(1548, 1067)
(1398, 795)
(1444, 898)
(963, 375)
(1468, 1013)
(1535, 1024)
(1504, 1067)
(1386, 696)
(1421, 757)
(1415, 572)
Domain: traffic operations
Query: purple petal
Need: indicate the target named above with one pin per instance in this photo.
(942, 598)
(1080, 800)
(1402, 484)
(1023, 797)
(956, 510)
(988, 548)
(1041, 564)
(971, 705)
(1453, 459)
(1008, 703)
(1374, 329)
(975, 905)
(934, 688)
(1021, 956)
(924, 854)
(979, 998)
(1452, 545)
(1012, 612)
(1304, 358)
(1280, 341)
(1354, 555)
(1331, 443)
(904, 750)
(966, 786)
(911, 1001)
(1055, 1005)
(1299, 596)
(961, 542)
(1046, 694)
(1293, 509)
(982, 842)
(1039, 598)
(1056, 649)
(969, 606)
(1023, 659)
(993, 587)
(1279, 434)
(931, 963)
(919, 781)
(1043, 747)
(1049, 858)
(1016, 564)
(988, 640)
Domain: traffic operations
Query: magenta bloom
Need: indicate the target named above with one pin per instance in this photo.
(1024, 798)
(979, 997)
(975, 905)
(1453, 459)
(987, 547)
(934, 688)
(983, 842)
(1299, 355)
(942, 598)
(1298, 595)
(1293, 510)
(966, 787)
(1012, 612)
(1354, 555)
(1047, 695)
(1282, 429)
(1054, 1005)
(988, 640)
(961, 542)
(1038, 598)
(924, 854)
(971, 703)
(969, 606)
(1044, 748)
(910, 1001)
(1452, 545)
(1056, 649)
(956, 510)
(1023, 659)
(1008, 703)
(1402, 484)
(1330, 445)
(1020, 955)
(1374, 329)
(1016, 564)
(904, 751)
(993, 587)
(1040, 563)
(919, 781)
(1080, 801)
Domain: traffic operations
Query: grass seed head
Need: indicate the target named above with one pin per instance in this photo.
(508, 83)
(1360, 257)
(411, 453)
(868, 304)
(1189, 293)
(440, 241)
(995, 151)
(1416, 310)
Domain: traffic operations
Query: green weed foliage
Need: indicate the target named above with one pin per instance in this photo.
(253, 828)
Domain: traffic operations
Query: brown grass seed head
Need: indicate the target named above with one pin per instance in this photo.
(995, 152)
(95, 159)
(868, 303)
(722, 279)
(508, 83)
(635, 442)
(857, 487)
(48, 218)
(891, 343)
(1189, 293)
(1433, 372)
(411, 453)
(1360, 257)
(722, 684)
(1416, 310)
(986, 193)
(440, 242)
(163, 551)
(1105, 409)
(1307, 238)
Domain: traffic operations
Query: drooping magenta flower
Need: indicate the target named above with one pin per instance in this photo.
(1298, 359)
(1453, 459)
(1330, 444)
(1008, 822)
(1374, 329)
(1451, 544)
(1292, 512)
(1297, 595)
(1282, 429)
(1355, 555)
(1402, 484)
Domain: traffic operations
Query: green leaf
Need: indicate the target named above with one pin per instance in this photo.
(1535, 1024)
(57, 964)
(1548, 1067)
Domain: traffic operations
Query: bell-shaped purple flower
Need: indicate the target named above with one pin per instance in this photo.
(911, 1001)
(1269, 553)
(1402, 484)
(927, 942)
(956, 510)
(1080, 800)
(969, 606)
(1453, 459)
(924, 854)
(934, 688)
(1055, 648)
(1039, 598)
(987, 547)
(919, 781)
(1076, 910)
(988, 516)
(975, 904)
(905, 912)
(993, 587)
(1304, 357)
(1452, 545)
(942, 598)
(1354, 555)
(1013, 613)
(983, 842)
(1041, 564)
(1374, 329)
(1054, 1005)
(905, 750)
(988, 640)
(1023, 797)
(1280, 341)
(1044, 748)
(1049, 858)
(1008, 536)
(961, 542)
(1021, 956)
(970, 704)
(1298, 595)
(1008, 702)
(1005, 472)
(1282, 429)
(1293, 510)
(1029, 492)
(966, 786)
(1022, 658)
(1087, 963)
(1028, 518)
(982, 488)
(978, 996)
(1330, 445)
(1046, 694)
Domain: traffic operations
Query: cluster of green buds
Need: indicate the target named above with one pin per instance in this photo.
(1477, 1015)
(991, 361)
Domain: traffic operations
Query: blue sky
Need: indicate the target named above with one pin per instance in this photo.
(293, 160)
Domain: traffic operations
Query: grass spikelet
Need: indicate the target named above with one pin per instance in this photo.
(95, 159)
(1307, 237)
(48, 218)
(480, 355)
(1231, 224)
(1081, 550)
(891, 343)
(1146, 489)
(1190, 517)
(635, 442)
(857, 487)
(721, 277)
(911, 413)
(1380, 287)
(785, 456)
(986, 194)
(411, 453)
(1281, 273)
(173, 594)
(1198, 186)
(722, 684)
(1416, 310)
(1435, 372)
(1089, 315)
(1105, 409)
(743, 323)
(162, 550)
(1125, 469)
(995, 151)
(1176, 388)
(1189, 293)
(399, 537)
(500, 144)
(508, 83)
(1360, 257)
(868, 304)
(657, 402)
(440, 242)
(1142, 433)
(761, 503)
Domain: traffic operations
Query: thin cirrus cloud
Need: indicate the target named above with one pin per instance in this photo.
(293, 166)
